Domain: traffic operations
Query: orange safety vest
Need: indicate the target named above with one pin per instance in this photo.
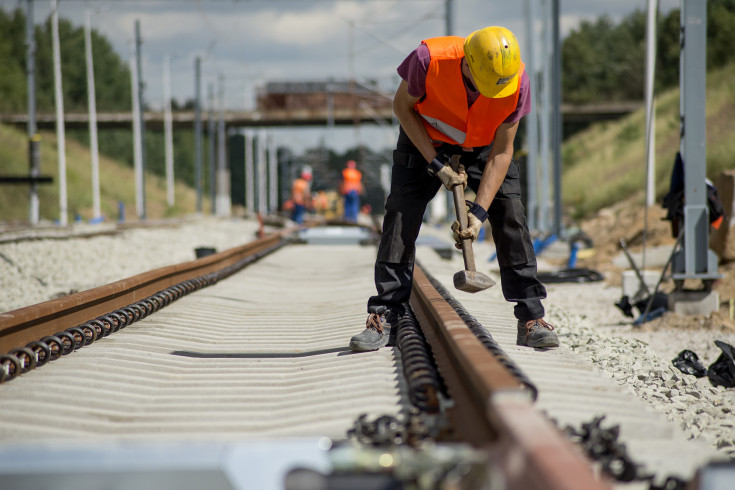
(351, 180)
(444, 109)
(299, 190)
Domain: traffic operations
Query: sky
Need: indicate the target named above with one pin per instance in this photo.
(245, 43)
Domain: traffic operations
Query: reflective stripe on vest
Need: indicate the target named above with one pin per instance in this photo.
(444, 110)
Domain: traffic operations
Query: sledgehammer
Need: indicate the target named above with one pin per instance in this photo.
(468, 280)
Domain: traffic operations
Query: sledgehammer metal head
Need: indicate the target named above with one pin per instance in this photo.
(472, 281)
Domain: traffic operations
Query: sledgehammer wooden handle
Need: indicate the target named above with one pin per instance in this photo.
(461, 209)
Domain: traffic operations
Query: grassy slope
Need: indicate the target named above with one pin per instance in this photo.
(116, 183)
(606, 162)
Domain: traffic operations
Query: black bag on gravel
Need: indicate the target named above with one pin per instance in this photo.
(688, 363)
(722, 371)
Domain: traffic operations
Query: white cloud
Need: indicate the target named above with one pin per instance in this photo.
(310, 28)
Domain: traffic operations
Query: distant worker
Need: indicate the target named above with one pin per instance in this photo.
(351, 188)
(458, 96)
(301, 196)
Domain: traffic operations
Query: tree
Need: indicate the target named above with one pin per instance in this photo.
(13, 91)
(602, 61)
(112, 77)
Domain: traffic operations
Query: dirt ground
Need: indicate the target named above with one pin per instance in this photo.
(626, 221)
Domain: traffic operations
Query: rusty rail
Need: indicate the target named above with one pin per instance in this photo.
(24, 325)
(492, 409)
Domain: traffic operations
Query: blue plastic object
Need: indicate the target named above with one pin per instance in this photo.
(573, 249)
(540, 245)
(652, 315)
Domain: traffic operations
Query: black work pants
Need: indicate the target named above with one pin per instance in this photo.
(411, 190)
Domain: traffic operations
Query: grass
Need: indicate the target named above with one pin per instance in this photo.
(607, 162)
(117, 184)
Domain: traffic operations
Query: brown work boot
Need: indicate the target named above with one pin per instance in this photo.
(536, 333)
(375, 335)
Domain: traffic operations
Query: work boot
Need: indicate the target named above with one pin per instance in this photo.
(536, 333)
(375, 335)
(390, 322)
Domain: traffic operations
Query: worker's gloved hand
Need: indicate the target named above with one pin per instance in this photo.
(450, 178)
(475, 218)
(440, 167)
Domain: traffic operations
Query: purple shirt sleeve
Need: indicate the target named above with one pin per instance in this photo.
(523, 106)
(413, 70)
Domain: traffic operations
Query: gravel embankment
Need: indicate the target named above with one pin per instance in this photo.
(640, 360)
(587, 320)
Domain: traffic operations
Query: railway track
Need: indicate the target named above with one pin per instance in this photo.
(245, 351)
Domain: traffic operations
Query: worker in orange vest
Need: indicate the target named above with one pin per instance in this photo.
(301, 196)
(458, 96)
(351, 189)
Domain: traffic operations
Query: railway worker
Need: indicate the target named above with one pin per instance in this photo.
(458, 96)
(351, 188)
(301, 195)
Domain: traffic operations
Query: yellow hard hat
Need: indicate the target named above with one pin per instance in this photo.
(494, 59)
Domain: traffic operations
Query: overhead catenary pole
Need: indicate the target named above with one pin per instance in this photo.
(93, 143)
(137, 143)
(224, 205)
(33, 138)
(272, 174)
(212, 161)
(650, 119)
(556, 120)
(141, 114)
(262, 174)
(249, 174)
(60, 135)
(532, 118)
(650, 102)
(545, 109)
(449, 16)
(443, 203)
(198, 131)
(168, 132)
(698, 261)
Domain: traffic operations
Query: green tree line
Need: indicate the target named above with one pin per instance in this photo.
(112, 77)
(112, 89)
(604, 61)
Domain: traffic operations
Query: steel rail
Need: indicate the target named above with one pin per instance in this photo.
(492, 409)
(24, 325)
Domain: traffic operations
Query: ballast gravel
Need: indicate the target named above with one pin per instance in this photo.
(40, 269)
(45, 267)
(641, 360)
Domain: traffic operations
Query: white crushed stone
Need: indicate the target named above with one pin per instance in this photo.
(592, 326)
(33, 271)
